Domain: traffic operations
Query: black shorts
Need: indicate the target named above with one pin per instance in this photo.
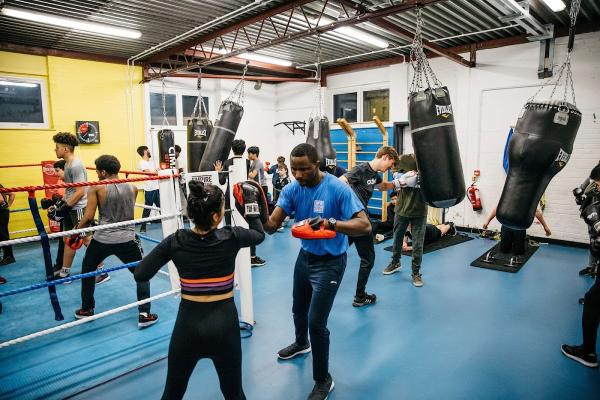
(71, 220)
(432, 234)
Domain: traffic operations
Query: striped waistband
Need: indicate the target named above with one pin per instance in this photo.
(207, 298)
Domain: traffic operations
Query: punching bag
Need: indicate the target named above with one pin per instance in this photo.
(540, 147)
(198, 133)
(223, 133)
(436, 147)
(166, 148)
(320, 137)
(311, 138)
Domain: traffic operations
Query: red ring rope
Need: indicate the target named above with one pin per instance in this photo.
(81, 184)
(89, 168)
(20, 165)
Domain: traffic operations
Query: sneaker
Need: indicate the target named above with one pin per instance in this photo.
(293, 350)
(64, 273)
(391, 268)
(146, 319)
(280, 229)
(143, 228)
(587, 271)
(452, 231)
(257, 262)
(7, 260)
(81, 313)
(56, 269)
(417, 280)
(379, 237)
(576, 353)
(321, 390)
(102, 278)
(2, 280)
(366, 300)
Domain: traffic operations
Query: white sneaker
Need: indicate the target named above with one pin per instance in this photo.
(379, 237)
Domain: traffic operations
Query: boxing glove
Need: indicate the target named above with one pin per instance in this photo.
(595, 244)
(250, 200)
(591, 216)
(579, 196)
(46, 203)
(313, 228)
(409, 179)
(75, 241)
(53, 211)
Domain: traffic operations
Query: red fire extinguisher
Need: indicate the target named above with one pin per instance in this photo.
(473, 193)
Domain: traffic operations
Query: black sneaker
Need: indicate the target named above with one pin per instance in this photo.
(293, 350)
(577, 353)
(102, 278)
(7, 260)
(81, 313)
(257, 262)
(146, 319)
(452, 231)
(587, 271)
(143, 228)
(321, 390)
(365, 300)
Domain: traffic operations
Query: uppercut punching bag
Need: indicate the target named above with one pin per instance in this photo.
(166, 148)
(223, 133)
(320, 137)
(198, 133)
(540, 147)
(436, 147)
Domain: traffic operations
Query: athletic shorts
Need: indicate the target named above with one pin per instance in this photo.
(71, 221)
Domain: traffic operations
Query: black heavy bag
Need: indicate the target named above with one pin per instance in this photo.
(540, 147)
(166, 148)
(223, 133)
(326, 152)
(436, 147)
(198, 133)
(310, 137)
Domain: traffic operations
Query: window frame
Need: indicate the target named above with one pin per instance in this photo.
(45, 104)
(358, 103)
(372, 89)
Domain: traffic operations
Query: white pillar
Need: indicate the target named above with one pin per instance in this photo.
(170, 204)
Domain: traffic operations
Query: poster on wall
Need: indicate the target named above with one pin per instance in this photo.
(88, 132)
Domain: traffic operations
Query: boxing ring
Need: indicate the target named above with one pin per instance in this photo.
(109, 342)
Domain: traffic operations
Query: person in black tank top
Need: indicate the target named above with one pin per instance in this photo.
(207, 324)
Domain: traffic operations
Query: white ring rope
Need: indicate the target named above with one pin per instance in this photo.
(147, 207)
(85, 320)
(86, 230)
(26, 230)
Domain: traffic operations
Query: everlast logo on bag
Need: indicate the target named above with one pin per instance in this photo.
(206, 179)
(330, 162)
(200, 132)
(562, 158)
(443, 111)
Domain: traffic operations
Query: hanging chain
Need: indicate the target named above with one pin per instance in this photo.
(237, 94)
(318, 96)
(164, 103)
(422, 72)
(565, 74)
(200, 108)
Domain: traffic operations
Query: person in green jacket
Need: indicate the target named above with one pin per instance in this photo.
(410, 209)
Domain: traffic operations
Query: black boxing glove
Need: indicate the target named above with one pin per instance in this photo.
(56, 215)
(250, 200)
(46, 203)
(591, 216)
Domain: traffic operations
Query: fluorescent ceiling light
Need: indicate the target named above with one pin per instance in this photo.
(20, 84)
(555, 5)
(258, 57)
(354, 33)
(80, 25)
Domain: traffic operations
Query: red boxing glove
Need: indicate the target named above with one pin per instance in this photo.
(75, 241)
(313, 228)
(250, 200)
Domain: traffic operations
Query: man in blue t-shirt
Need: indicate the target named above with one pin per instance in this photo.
(321, 262)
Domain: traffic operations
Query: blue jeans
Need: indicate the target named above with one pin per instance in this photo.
(316, 282)
(151, 197)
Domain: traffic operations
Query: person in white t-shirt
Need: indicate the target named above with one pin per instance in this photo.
(151, 195)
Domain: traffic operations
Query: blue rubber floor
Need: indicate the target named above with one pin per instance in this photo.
(469, 333)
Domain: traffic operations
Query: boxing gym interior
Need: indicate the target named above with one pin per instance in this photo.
(407, 191)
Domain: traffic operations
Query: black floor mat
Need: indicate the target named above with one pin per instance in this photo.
(445, 241)
(501, 261)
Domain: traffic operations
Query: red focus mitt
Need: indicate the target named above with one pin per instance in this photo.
(250, 200)
(75, 241)
(313, 228)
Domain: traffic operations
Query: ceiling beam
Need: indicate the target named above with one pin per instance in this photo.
(409, 36)
(384, 62)
(255, 64)
(238, 25)
(277, 79)
(351, 20)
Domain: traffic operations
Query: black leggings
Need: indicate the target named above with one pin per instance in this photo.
(4, 235)
(591, 317)
(205, 330)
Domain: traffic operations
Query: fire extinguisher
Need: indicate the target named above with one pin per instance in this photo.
(473, 193)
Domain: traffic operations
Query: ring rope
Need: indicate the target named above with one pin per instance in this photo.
(26, 230)
(87, 319)
(20, 165)
(67, 279)
(147, 207)
(36, 238)
(148, 238)
(84, 184)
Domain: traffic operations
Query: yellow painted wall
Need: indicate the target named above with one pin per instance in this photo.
(77, 90)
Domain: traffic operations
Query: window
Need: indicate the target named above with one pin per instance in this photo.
(156, 109)
(23, 103)
(376, 103)
(189, 102)
(344, 106)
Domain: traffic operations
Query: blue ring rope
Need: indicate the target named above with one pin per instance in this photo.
(148, 238)
(53, 283)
